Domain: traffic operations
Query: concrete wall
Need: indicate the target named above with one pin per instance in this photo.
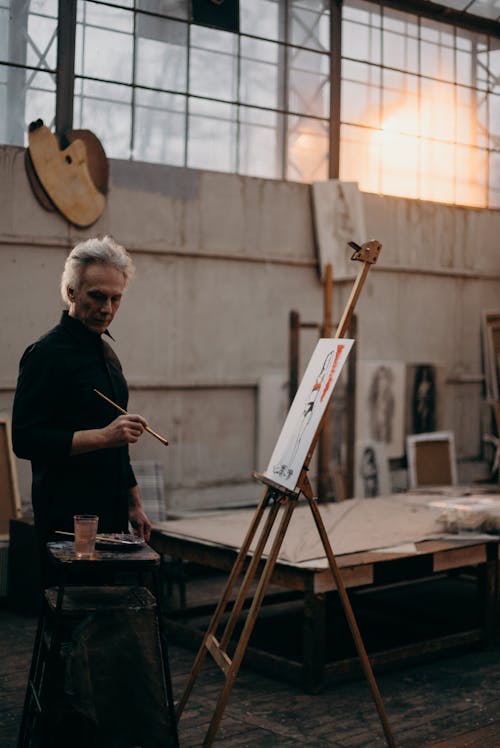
(221, 259)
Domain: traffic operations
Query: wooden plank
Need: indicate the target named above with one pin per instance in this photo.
(10, 501)
(486, 737)
(415, 652)
(353, 576)
(454, 559)
(220, 657)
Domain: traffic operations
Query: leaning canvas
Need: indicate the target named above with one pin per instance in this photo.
(371, 470)
(338, 219)
(380, 404)
(306, 411)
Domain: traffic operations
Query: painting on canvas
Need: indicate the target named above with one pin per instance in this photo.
(490, 328)
(424, 397)
(371, 470)
(380, 398)
(306, 411)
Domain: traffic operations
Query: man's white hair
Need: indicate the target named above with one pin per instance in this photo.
(104, 251)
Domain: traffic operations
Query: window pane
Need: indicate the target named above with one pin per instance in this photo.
(175, 8)
(123, 3)
(259, 83)
(307, 149)
(160, 124)
(471, 176)
(28, 37)
(308, 83)
(25, 96)
(309, 22)
(494, 70)
(161, 53)
(437, 171)
(437, 110)
(468, 128)
(437, 57)
(400, 41)
(261, 18)
(105, 109)
(105, 43)
(361, 42)
(494, 120)
(360, 157)
(401, 103)
(259, 149)
(360, 94)
(482, 118)
(482, 67)
(42, 42)
(213, 63)
(93, 14)
(494, 180)
(212, 135)
(399, 156)
(43, 7)
(466, 60)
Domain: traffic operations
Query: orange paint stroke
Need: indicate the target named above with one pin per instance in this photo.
(338, 353)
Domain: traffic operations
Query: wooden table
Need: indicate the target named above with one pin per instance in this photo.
(362, 571)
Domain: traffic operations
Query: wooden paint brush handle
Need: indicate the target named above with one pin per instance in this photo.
(146, 428)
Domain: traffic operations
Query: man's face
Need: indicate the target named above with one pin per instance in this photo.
(96, 301)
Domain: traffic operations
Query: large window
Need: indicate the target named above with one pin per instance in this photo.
(156, 87)
(420, 107)
(28, 48)
(416, 102)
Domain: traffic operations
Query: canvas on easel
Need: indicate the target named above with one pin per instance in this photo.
(307, 410)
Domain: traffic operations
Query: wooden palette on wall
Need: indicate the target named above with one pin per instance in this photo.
(73, 180)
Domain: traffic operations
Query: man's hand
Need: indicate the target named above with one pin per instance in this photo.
(123, 430)
(137, 516)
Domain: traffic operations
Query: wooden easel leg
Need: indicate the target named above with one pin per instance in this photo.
(351, 620)
(249, 576)
(253, 613)
(230, 584)
(222, 604)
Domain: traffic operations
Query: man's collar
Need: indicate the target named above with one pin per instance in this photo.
(75, 326)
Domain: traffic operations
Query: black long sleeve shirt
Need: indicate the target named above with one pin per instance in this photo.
(54, 398)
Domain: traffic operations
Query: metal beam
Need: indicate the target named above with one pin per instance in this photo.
(335, 86)
(441, 13)
(66, 33)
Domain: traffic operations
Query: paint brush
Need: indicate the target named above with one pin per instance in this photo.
(146, 428)
(99, 538)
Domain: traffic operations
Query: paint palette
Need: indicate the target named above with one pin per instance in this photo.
(118, 541)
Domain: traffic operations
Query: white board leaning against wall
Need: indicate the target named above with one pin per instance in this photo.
(338, 219)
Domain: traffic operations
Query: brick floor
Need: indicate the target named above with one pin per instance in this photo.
(453, 702)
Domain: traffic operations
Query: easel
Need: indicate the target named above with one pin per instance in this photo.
(275, 497)
(342, 475)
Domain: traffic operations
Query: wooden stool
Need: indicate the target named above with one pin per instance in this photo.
(126, 623)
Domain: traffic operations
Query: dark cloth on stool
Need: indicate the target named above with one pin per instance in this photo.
(111, 693)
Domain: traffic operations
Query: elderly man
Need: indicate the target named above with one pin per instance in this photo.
(77, 447)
